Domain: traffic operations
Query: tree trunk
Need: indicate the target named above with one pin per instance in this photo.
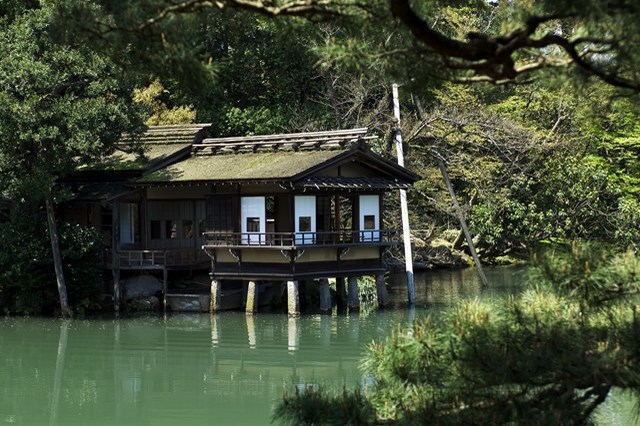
(457, 243)
(463, 223)
(57, 258)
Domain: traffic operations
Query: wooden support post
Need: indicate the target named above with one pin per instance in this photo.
(216, 292)
(325, 296)
(406, 233)
(341, 291)
(293, 299)
(381, 290)
(354, 299)
(252, 298)
(463, 223)
(337, 220)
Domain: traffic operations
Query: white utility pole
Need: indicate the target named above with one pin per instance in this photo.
(406, 234)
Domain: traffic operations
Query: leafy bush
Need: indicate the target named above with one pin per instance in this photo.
(549, 356)
(81, 253)
(27, 279)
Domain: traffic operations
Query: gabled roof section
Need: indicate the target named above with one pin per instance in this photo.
(161, 145)
(246, 166)
(297, 158)
(175, 134)
(362, 155)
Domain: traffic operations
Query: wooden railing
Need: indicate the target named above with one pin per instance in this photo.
(304, 239)
(156, 258)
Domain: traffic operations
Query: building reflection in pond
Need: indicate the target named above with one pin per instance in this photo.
(293, 338)
(214, 330)
(251, 330)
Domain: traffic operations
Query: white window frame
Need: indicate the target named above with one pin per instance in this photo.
(253, 207)
(305, 206)
(370, 206)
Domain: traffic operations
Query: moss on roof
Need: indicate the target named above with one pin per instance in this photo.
(157, 143)
(244, 166)
(122, 160)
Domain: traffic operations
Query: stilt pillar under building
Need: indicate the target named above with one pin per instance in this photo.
(352, 294)
(216, 293)
(325, 296)
(293, 299)
(252, 298)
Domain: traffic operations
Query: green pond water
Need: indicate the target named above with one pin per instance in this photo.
(225, 369)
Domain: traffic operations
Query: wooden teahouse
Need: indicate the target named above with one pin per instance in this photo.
(261, 209)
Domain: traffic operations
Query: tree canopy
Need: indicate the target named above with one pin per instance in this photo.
(62, 104)
(506, 42)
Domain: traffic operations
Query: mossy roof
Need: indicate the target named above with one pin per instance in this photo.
(279, 165)
(121, 160)
(157, 144)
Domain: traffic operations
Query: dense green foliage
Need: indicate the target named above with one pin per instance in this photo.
(61, 103)
(530, 164)
(27, 284)
(548, 356)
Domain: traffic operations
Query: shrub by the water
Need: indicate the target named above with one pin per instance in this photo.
(27, 278)
(549, 356)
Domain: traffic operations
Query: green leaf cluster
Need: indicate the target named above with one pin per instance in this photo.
(61, 103)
